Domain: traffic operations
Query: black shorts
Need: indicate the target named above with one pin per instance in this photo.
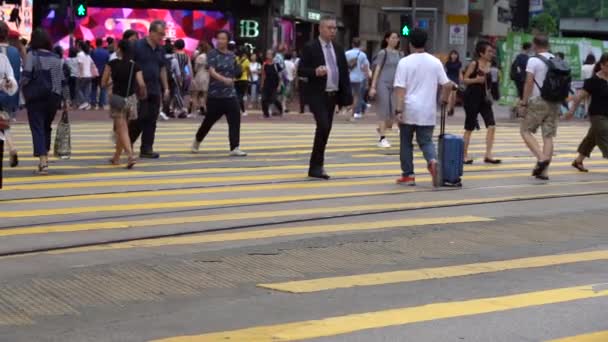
(472, 110)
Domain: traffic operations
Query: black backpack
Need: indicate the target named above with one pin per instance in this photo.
(556, 87)
(518, 68)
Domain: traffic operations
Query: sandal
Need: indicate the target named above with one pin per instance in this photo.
(113, 161)
(131, 163)
(43, 170)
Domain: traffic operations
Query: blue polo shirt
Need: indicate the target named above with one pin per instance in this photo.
(150, 61)
(100, 57)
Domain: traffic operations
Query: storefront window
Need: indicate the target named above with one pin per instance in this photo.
(296, 8)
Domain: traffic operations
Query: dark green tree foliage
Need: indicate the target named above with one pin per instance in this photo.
(544, 23)
(576, 8)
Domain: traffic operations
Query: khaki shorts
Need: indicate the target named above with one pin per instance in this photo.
(541, 114)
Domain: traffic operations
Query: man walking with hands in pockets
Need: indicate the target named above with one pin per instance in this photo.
(416, 81)
(327, 85)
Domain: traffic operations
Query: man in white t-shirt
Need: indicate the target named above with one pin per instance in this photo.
(85, 77)
(539, 112)
(416, 81)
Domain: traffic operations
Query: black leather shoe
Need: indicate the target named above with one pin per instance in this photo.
(149, 155)
(318, 174)
(540, 168)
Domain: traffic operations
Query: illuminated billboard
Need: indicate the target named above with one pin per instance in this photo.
(189, 25)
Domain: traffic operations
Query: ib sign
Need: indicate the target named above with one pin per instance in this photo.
(249, 28)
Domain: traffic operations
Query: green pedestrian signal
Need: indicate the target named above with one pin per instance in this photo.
(81, 10)
(406, 25)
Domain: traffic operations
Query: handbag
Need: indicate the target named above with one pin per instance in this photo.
(117, 102)
(63, 141)
(40, 86)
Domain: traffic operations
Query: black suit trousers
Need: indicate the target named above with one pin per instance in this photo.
(323, 110)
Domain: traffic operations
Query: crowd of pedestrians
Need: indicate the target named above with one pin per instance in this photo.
(141, 79)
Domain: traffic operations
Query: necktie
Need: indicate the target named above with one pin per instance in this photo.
(332, 66)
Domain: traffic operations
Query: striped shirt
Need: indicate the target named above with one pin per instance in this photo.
(48, 61)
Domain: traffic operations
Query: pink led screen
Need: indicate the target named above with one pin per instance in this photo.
(191, 26)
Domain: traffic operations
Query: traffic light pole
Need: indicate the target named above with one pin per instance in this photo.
(72, 23)
(413, 6)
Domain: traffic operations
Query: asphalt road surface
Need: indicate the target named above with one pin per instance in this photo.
(207, 247)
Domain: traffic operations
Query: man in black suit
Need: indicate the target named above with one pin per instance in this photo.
(324, 68)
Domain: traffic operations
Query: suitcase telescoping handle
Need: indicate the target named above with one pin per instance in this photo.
(443, 118)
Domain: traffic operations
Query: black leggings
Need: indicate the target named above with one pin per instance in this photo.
(270, 97)
(241, 91)
(216, 108)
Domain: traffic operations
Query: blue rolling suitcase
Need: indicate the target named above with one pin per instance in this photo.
(451, 156)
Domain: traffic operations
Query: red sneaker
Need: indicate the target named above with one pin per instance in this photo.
(409, 180)
(432, 167)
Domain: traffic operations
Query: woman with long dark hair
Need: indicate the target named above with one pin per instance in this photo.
(44, 85)
(385, 66)
(126, 77)
(478, 100)
(596, 89)
(222, 97)
(453, 68)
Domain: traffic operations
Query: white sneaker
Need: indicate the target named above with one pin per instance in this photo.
(245, 114)
(163, 116)
(384, 143)
(196, 145)
(237, 153)
(88, 107)
(358, 116)
(368, 106)
(83, 106)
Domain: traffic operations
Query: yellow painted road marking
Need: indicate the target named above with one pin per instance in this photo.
(188, 204)
(600, 336)
(339, 325)
(152, 164)
(394, 164)
(277, 232)
(237, 180)
(242, 188)
(370, 208)
(332, 283)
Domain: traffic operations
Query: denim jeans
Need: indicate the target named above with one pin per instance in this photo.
(83, 90)
(254, 91)
(358, 90)
(99, 94)
(362, 106)
(424, 136)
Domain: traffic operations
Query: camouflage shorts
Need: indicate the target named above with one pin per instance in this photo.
(541, 114)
